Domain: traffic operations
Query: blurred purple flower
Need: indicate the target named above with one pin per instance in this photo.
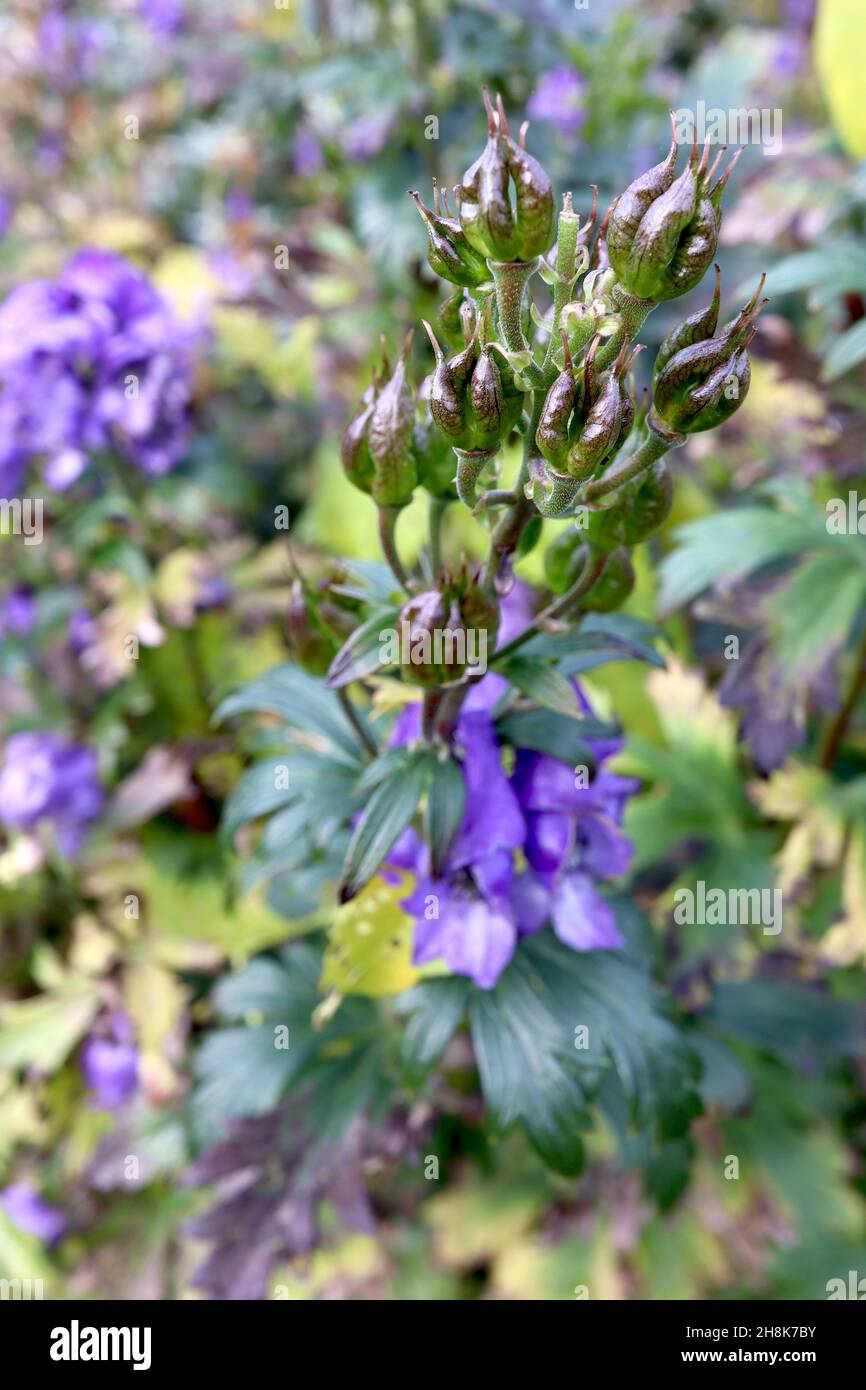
(164, 17)
(17, 610)
(7, 210)
(569, 835)
(46, 778)
(91, 362)
(308, 156)
(366, 137)
(82, 631)
(558, 98)
(31, 1213)
(110, 1071)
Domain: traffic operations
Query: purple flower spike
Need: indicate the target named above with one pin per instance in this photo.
(569, 835)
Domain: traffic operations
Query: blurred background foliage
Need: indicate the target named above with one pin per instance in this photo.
(254, 162)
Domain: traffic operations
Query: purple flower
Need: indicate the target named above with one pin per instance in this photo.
(17, 610)
(164, 17)
(31, 1213)
(559, 98)
(366, 137)
(45, 778)
(308, 156)
(567, 829)
(91, 362)
(110, 1071)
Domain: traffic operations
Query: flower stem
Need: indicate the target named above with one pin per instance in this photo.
(653, 447)
(832, 741)
(438, 508)
(387, 526)
(566, 273)
(351, 714)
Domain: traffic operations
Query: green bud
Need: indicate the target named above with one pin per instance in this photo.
(635, 512)
(434, 458)
(390, 437)
(564, 560)
(614, 586)
(529, 537)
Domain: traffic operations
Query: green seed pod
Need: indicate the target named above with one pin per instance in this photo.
(552, 436)
(448, 251)
(564, 560)
(434, 458)
(533, 196)
(663, 232)
(608, 419)
(487, 402)
(702, 384)
(355, 453)
(614, 586)
(494, 227)
(486, 214)
(313, 646)
(695, 329)
(390, 436)
(529, 537)
(448, 404)
(632, 205)
(447, 631)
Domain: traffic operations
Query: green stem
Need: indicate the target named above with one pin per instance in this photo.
(351, 714)
(633, 313)
(430, 708)
(510, 279)
(508, 530)
(586, 580)
(438, 508)
(832, 741)
(387, 526)
(654, 447)
(566, 273)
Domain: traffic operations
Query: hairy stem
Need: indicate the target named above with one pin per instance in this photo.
(625, 469)
(566, 273)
